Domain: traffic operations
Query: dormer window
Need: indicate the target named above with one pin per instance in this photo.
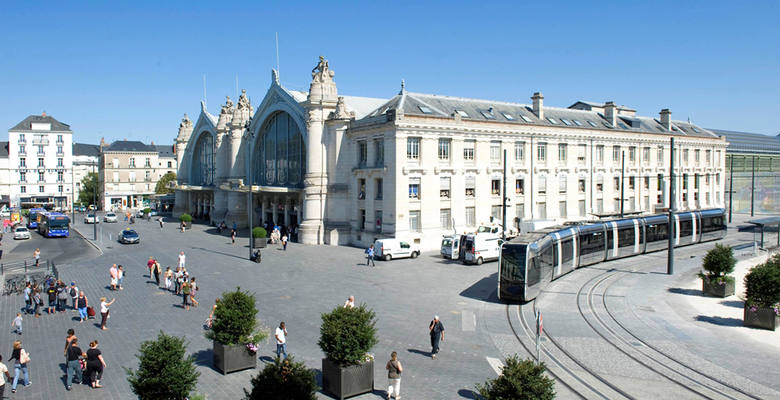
(462, 113)
(552, 120)
(508, 116)
(425, 110)
(526, 119)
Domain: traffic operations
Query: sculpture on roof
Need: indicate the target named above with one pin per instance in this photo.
(275, 76)
(243, 101)
(341, 111)
(321, 72)
(228, 107)
(185, 122)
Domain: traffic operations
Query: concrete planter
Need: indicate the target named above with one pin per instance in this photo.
(343, 382)
(712, 288)
(763, 317)
(259, 243)
(231, 358)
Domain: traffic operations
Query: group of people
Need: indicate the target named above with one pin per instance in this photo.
(55, 291)
(80, 363)
(177, 281)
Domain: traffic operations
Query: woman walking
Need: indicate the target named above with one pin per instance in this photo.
(104, 311)
(4, 377)
(95, 364)
(168, 278)
(157, 271)
(193, 292)
(233, 236)
(62, 296)
(37, 256)
(82, 303)
(185, 295)
(21, 358)
(120, 275)
(38, 302)
(394, 370)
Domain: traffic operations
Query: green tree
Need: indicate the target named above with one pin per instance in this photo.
(284, 380)
(521, 380)
(164, 372)
(347, 334)
(762, 284)
(162, 184)
(89, 189)
(235, 320)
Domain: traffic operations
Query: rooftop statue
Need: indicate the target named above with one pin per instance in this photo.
(228, 107)
(243, 101)
(321, 71)
(185, 122)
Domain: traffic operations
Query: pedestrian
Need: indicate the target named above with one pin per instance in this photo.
(160, 220)
(82, 303)
(235, 226)
(4, 375)
(73, 355)
(113, 272)
(22, 358)
(193, 292)
(74, 293)
(17, 323)
(182, 226)
(104, 311)
(37, 256)
(150, 265)
(168, 278)
(157, 272)
(38, 302)
(281, 341)
(120, 275)
(284, 242)
(233, 236)
(178, 279)
(370, 255)
(182, 259)
(185, 295)
(28, 298)
(95, 364)
(210, 319)
(51, 292)
(436, 329)
(62, 296)
(394, 370)
(350, 303)
(71, 336)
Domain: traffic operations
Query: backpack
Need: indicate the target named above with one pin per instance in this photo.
(73, 291)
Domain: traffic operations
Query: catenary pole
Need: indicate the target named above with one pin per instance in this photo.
(670, 252)
(622, 180)
(731, 184)
(503, 203)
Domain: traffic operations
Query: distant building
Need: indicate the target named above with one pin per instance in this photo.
(5, 176)
(40, 163)
(128, 174)
(166, 161)
(85, 160)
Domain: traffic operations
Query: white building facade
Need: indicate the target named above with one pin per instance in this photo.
(85, 160)
(40, 163)
(348, 170)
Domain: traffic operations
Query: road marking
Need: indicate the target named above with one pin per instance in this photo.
(496, 364)
(468, 321)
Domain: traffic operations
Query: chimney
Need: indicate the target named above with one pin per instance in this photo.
(538, 100)
(610, 112)
(666, 119)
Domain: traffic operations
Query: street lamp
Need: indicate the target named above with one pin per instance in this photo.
(94, 202)
(251, 137)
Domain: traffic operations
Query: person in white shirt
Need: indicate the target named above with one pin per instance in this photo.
(350, 302)
(3, 375)
(281, 341)
(182, 259)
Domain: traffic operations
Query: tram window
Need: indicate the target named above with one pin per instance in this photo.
(626, 236)
(546, 261)
(657, 233)
(592, 243)
(686, 228)
(567, 251)
(711, 224)
(533, 274)
(513, 263)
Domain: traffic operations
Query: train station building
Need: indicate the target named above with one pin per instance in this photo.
(349, 169)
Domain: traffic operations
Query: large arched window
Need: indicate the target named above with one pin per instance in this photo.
(279, 155)
(203, 161)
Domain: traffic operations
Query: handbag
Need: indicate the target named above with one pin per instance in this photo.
(83, 364)
(24, 357)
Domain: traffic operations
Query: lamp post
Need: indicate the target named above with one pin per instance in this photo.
(94, 201)
(622, 180)
(670, 253)
(250, 204)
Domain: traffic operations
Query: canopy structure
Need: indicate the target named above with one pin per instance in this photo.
(763, 223)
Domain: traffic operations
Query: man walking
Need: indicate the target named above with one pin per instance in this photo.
(182, 260)
(74, 293)
(28, 298)
(436, 329)
(281, 341)
(370, 256)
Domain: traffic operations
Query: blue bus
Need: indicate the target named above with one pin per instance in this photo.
(53, 224)
(32, 218)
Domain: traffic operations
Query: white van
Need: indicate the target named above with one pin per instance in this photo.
(481, 247)
(450, 246)
(388, 249)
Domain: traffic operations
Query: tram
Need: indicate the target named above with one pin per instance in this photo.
(529, 262)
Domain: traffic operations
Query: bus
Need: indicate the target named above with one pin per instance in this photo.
(32, 217)
(53, 224)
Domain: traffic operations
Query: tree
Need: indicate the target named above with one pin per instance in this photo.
(164, 372)
(719, 262)
(162, 184)
(235, 320)
(89, 189)
(347, 334)
(284, 380)
(522, 380)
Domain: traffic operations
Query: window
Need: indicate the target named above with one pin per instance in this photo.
(60, 176)
(40, 162)
(552, 120)
(444, 149)
(59, 150)
(115, 163)
(696, 181)
(21, 149)
(593, 124)
(379, 152)
(468, 150)
(708, 157)
(444, 187)
(132, 162)
(361, 189)
(462, 113)
(632, 154)
(685, 156)
(470, 184)
(617, 204)
(40, 150)
(660, 179)
(600, 154)
(562, 183)
(581, 208)
(414, 221)
(646, 156)
(362, 153)
(615, 153)
(41, 177)
(631, 182)
(23, 189)
(562, 209)
(59, 139)
(508, 116)
(362, 222)
(495, 187)
(697, 156)
(59, 188)
(60, 163)
(581, 185)
(148, 176)
(707, 179)
(148, 162)
(169, 164)
(132, 176)
(495, 152)
(495, 213)
(565, 121)
(542, 184)
(488, 114)
(115, 177)
(660, 156)
(685, 181)
(413, 148)
(414, 188)
(562, 152)
(445, 218)
(23, 177)
(41, 189)
(541, 151)
(425, 110)
(647, 183)
(578, 123)
(379, 188)
(21, 137)
(519, 213)
(541, 210)
(378, 220)
(471, 218)
(519, 151)
(581, 149)
(22, 163)
(519, 186)
(600, 183)
(717, 158)
(600, 206)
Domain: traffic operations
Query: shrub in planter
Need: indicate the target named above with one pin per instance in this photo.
(347, 335)
(284, 379)
(520, 379)
(718, 264)
(236, 332)
(185, 218)
(147, 211)
(164, 372)
(762, 294)
(259, 233)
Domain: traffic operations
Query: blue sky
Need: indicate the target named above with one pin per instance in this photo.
(131, 70)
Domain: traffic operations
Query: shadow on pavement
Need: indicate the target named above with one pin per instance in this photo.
(219, 252)
(689, 292)
(484, 290)
(733, 303)
(205, 358)
(467, 394)
(719, 320)
(420, 352)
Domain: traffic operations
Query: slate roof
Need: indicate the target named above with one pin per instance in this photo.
(25, 125)
(420, 104)
(165, 151)
(130, 145)
(85, 149)
(361, 106)
(745, 142)
(3, 149)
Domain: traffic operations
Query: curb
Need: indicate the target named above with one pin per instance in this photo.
(88, 241)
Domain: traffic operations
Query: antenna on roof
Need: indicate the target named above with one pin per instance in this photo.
(278, 72)
(204, 88)
(237, 92)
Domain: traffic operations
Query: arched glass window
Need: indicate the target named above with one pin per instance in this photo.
(279, 158)
(203, 161)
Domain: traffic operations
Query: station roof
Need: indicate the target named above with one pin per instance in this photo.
(745, 142)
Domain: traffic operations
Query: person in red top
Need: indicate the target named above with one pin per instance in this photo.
(150, 265)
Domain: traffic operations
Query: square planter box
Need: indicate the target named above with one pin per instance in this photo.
(259, 243)
(232, 358)
(714, 289)
(349, 381)
(763, 317)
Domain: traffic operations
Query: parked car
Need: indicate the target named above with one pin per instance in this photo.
(21, 232)
(481, 247)
(109, 217)
(91, 219)
(388, 249)
(128, 236)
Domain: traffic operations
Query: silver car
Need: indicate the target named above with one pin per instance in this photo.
(21, 232)
(109, 217)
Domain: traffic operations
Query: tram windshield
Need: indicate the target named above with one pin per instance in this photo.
(513, 262)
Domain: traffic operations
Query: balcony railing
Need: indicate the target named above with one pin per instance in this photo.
(38, 142)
